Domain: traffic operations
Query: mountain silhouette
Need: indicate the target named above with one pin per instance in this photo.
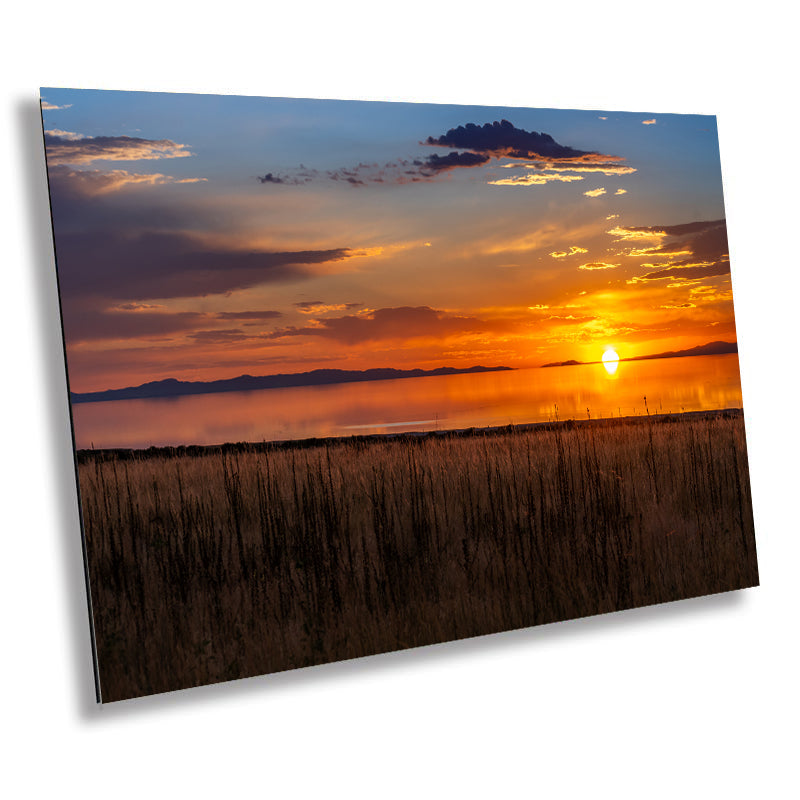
(710, 349)
(171, 387)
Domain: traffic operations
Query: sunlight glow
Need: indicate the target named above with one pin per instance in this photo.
(610, 360)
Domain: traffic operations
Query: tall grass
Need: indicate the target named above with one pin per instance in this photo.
(222, 565)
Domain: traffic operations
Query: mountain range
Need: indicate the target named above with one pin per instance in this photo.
(710, 349)
(171, 387)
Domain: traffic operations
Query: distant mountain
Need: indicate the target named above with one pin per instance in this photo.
(710, 349)
(171, 387)
(571, 363)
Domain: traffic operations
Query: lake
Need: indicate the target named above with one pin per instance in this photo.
(414, 404)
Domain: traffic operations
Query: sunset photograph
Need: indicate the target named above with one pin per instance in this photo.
(352, 377)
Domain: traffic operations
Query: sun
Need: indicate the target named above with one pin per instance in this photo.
(610, 360)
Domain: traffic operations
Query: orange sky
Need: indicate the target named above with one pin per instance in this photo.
(283, 236)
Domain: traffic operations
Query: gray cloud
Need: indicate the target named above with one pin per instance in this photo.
(387, 323)
(65, 147)
(163, 265)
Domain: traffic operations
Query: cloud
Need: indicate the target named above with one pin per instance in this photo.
(94, 182)
(219, 336)
(648, 122)
(296, 180)
(318, 307)
(573, 250)
(502, 139)
(452, 160)
(66, 147)
(534, 179)
(50, 107)
(692, 250)
(570, 166)
(678, 271)
(602, 118)
(162, 265)
(679, 306)
(479, 145)
(388, 323)
(621, 191)
(595, 192)
(68, 135)
(89, 324)
(151, 321)
(595, 265)
(248, 315)
(404, 171)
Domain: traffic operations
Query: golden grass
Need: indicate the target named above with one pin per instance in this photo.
(210, 567)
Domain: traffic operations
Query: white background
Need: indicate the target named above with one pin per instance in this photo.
(695, 699)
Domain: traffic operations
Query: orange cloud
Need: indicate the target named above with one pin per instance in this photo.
(572, 251)
(550, 166)
(595, 192)
(537, 179)
(594, 265)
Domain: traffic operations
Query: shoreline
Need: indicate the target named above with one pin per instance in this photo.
(127, 453)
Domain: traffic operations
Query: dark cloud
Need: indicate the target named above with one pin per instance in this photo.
(481, 143)
(151, 321)
(285, 180)
(164, 265)
(452, 160)
(502, 139)
(219, 336)
(88, 324)
(693, 250)
(686, 273)
(248, 315)
(318, 307)
(64, 147)
(404, 322)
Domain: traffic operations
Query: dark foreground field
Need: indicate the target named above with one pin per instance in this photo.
(221, 565)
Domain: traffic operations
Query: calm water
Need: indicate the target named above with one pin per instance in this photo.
(413, 404)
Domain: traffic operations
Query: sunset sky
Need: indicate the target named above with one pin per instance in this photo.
(202, 237)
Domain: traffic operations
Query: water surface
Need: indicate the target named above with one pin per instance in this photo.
(414, 404)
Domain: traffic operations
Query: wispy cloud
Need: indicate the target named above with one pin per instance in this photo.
(689, 251)
(573, 250)
(595, 192)
(595, 265)
(318, 307)
(535, 179)
(50, 107)
(648, 122)
(67, 147)
(94, 182)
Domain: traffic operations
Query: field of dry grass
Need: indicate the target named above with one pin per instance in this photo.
(219, 565)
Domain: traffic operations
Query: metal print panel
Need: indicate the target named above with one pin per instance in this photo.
(350, 377)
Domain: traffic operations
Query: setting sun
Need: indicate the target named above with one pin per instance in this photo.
(610, 360)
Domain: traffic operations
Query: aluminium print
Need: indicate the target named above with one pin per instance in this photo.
(350, 377)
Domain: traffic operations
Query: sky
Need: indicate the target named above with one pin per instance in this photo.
(201, 237)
